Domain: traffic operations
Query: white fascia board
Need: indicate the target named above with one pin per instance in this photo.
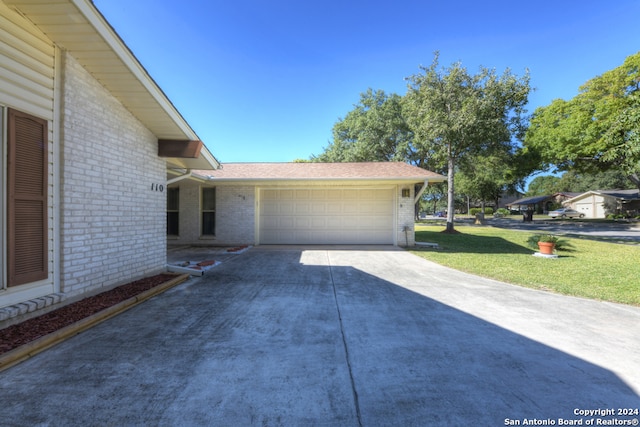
(582, 196)
(206, 154)
(312, 181)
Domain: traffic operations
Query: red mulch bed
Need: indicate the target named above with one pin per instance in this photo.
(22, 333)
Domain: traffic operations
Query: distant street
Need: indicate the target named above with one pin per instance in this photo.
(623, 231)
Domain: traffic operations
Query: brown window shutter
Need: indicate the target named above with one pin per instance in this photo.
(27, 182)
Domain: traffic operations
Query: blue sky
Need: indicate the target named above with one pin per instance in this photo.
(265, 81)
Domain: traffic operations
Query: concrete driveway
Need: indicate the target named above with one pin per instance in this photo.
(337, 337)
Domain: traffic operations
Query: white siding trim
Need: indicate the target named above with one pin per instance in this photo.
(26, 74)
(27, 61)
(3, 197)
(57, 171)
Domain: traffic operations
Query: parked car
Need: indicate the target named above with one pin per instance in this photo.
(566, 213)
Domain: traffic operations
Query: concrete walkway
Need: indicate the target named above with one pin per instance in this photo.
(287, 336)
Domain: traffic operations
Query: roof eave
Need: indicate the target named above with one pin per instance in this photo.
(399, 180)
(165, 122)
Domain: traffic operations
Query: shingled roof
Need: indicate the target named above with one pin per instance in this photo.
(386, 171)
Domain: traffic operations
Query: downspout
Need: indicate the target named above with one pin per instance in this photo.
(421, 192)
(180, 178)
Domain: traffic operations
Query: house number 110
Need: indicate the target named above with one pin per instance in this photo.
(157, 187)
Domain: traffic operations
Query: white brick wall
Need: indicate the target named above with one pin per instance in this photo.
(235, 214)
(406, 218)
(114, 223)
(235, 217)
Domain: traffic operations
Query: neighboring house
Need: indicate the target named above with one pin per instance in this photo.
(297, 203)
(509, 197)
(598, 204)
(503, 201)
(88, 140)
(540, 204)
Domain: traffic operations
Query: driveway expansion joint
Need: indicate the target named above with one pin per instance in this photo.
(346, 347)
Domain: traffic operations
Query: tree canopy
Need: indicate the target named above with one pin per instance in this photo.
(544, 185)
(375, 130)
(578, 182)
(454, 114)
(598, 129)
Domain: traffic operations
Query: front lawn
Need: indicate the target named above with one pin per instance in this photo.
(597, 270)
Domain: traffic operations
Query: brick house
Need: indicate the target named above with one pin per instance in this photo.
(87, 138)
(297, 203)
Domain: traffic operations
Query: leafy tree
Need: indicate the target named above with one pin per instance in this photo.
(578, 182)
(481, 180)
(544, 185)
(454, 114)
(375, 130)
(432, 197)
(599, 129)
(487, 175)
(612, 179)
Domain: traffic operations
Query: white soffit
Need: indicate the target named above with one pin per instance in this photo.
(78, 27)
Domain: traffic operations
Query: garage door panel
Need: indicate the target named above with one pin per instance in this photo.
(319, 223)
(317, 208)
(302, 222)
(285, 194)
(333, 208)
(333, 222)
(376, 222)
(350, 208)
(366, 194)
(350, 223)
(303, 208)
(285, 222)
(270, 208)
(327, 216)
(270, 222)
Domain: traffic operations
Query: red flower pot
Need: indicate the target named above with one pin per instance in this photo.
(546, 248)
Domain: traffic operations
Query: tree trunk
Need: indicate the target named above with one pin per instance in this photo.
(450, 196)
(635, 179)
(480, 216)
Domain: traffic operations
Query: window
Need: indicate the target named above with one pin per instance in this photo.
(173, 211)
(26, 202)
(208, 211)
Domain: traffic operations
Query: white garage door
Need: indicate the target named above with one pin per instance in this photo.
(586, 209)
(327, 216)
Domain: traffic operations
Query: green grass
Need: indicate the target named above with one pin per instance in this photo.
(594, 269)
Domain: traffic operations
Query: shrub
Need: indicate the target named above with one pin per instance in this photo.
(502, 212)
(561, 244)
(475, 211)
